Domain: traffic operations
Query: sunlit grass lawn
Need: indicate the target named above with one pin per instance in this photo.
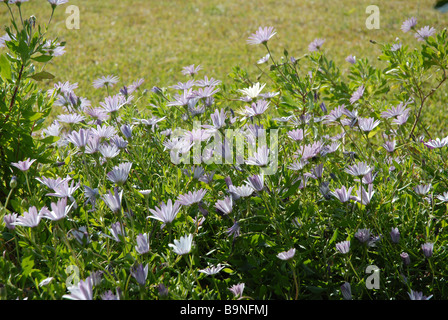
(154, 39)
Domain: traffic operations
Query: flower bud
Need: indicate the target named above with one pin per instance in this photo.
(405, 257)
(13, 182)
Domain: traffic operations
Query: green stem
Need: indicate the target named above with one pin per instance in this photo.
(295, 281)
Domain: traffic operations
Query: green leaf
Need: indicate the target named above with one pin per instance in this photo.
(49, 139)
(27, 265)
(228, 270)
(42, 76)
(5, 68)
(334, 237)
(42, 58)
(32, 116)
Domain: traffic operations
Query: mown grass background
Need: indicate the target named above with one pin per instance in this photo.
(154, 39)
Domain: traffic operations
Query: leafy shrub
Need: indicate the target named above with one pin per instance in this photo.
(23, 105)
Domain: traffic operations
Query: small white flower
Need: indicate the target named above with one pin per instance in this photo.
(254, 91)
(182, 246)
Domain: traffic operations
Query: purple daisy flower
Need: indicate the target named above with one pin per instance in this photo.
(367, 124)
(415, 295)
(405, 258)
(363, 235)
(342, 194)
(142, 246)
(409, 24)
(166, 213)
(436, 143)
(260, 157)
(30, 218)
(191, 197)
(114, 103)
(71, 118)
(359, 169)
(343, 246)
(10, 220)
(351, 59)
(83, 290)
(212, 270)
(120, 173)
(316, 44)
(55, 3)
(23, 165)
(237, 290)
(261, 36)
(357, 94)
(191, 70)
(257, 108)
(105, 81)
(256, 182)
(346, 291)
(140, 273)
(59, 210)
(395, 235)
(424, 33)
(113, 200)
(234, 230)
(287, 255)
(225, 205)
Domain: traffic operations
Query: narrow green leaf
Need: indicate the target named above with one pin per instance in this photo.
(42, 58)
(42, 76)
